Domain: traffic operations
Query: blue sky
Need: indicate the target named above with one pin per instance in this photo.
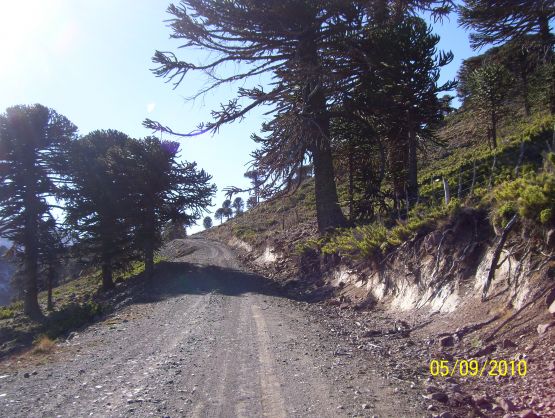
(91, 61)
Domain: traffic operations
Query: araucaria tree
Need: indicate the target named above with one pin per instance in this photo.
(238, 205)
(161, 189)
(219, 214)
(488, 86)
(207, 222)
(97, 202)
(31, 141)
(301, 45)
(397, 95)
(282, 39)
(521, 21)
(227, 208)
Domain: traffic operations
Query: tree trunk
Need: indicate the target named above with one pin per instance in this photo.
(545, 34)
(50, 283)
(351, 185)
(412, 171)
(328, 212)
(149, 260)
(107, 280)
(30, 301)
(494, 129)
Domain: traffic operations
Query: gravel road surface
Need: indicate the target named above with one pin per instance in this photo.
(210, 340)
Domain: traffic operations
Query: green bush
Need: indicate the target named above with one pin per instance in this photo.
(532, 195)
(11, 311)
(7, 312)
(546, 216)
(71, 317)
(374, 240)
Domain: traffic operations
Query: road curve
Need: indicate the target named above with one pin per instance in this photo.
(210, 341)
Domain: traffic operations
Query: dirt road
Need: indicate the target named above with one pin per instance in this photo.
(209, 341)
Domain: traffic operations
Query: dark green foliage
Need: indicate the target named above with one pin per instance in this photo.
(124, 191)
(499, 21)
(207, 222)
(219, 214)
(32, 140)
(97, 201)
(396, 109)
(159, 190)
(524, 22)
(238, 205)
(227, 209)
(532, 196)
(71, 317)
(488, 87)
(522, 58)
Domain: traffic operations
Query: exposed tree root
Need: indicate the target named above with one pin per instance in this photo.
(496, 255)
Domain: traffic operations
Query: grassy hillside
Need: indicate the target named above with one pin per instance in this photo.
(502, 181)
(77, 302)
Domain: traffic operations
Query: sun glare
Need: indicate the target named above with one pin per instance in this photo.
(24, 27)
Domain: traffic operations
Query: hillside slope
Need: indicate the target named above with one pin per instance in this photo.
(429, 274)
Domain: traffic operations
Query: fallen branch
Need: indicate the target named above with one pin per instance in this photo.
(497, 254)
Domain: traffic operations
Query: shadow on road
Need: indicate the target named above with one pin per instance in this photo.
(175, 278)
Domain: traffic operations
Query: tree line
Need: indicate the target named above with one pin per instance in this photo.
(104, 195)
(353, 86)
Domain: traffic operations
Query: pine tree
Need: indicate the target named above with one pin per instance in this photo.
(238, 205)
(161, 190)
(219, 214)
(207, 222)
(32, 140)
(489, 85)
(521, 21)
(98, 202)
(398, 68)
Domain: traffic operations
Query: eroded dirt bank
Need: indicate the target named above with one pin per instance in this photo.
(423, 302)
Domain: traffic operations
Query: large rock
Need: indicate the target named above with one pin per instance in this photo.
(447, 341)
(542, 328)
(552, 308)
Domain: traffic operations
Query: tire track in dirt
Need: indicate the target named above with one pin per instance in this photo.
(272, 398)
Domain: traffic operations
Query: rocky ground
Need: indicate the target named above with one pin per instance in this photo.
(210, 339)
(406, 343)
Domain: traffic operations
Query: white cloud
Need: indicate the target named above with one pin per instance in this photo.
(150, 107)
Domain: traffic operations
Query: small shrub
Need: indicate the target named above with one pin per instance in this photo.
(71, 317)
(12, 310)
(6, 312)
(546, 216)
(532, 196)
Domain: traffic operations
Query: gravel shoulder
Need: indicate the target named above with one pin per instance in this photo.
(208, 340)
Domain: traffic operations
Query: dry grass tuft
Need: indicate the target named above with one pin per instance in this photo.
(43, 345)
